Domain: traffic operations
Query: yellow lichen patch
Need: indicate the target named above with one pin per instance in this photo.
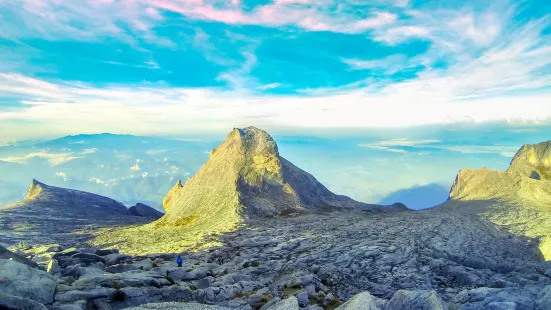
(545, 248)
(288, 189)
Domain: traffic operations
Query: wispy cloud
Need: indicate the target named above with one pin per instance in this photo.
(397, 145)
(54, 159)
(390, 145)
(505, 151)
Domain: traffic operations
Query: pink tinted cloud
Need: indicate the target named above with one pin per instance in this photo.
(306, 14)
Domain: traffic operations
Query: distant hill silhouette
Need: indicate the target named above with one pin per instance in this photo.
(419, 196)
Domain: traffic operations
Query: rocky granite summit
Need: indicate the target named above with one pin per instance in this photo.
(518, 200)
(533, 160)
(246, 178)
(50, 214)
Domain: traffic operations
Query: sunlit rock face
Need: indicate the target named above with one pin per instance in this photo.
(533, 160)
(246, 178)
(518, 199)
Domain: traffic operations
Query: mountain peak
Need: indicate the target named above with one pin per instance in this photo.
(533, 160)
(35, 189)
(245, 177)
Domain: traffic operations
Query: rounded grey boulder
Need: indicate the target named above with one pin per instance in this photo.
(21, 280)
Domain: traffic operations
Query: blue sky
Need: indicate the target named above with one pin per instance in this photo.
(174, 66)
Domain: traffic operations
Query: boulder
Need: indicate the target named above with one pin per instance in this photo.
(88, 259)
(87, 250)
(16, 302)
(106, 252)
(505, 305)
(77, 305)
(114, 259)
(53, 266)
(415, 300)
(361, 301)
(21, 280)
(544, 299)
(7, 254)
(78, 271)
(54, 248)
(290, 303)
(144, 264)
(177, 306)
(72, 296)
(120, 268)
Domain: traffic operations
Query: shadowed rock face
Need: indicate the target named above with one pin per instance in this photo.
(246, 177)
(144, 210)
(513, 199)
(51, 214)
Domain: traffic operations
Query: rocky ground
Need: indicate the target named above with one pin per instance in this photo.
(412, 260)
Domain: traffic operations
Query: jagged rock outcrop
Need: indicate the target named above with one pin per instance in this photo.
(533, 160)
(50, 214)
(144, 210)
(518, 199)
(246, 178)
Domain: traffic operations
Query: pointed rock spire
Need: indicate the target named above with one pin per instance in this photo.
(245, 177)
(35, 189)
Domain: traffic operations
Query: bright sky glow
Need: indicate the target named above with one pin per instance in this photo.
(171, 66)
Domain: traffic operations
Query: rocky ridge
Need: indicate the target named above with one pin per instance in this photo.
(518, 200)
(50, 214)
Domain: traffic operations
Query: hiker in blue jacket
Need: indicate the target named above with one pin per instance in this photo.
(179, 261)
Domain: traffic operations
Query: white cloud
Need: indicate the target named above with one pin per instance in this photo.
(428, 100)
(390, 145)
(505, 151)
(156, 151)
(96, 180)
(404, 142)
(136, 167)
(89, 151)
(63, 175)
(383, 148)
(54, 159)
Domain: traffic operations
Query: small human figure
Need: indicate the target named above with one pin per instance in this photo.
(179, 261)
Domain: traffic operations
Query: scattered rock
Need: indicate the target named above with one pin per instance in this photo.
(361, 301)
(15, 302)
(290, 303)
(121, 268)
(418, 300)
(53, 266)
(544, 299)
(7, 254)
(177, 306)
